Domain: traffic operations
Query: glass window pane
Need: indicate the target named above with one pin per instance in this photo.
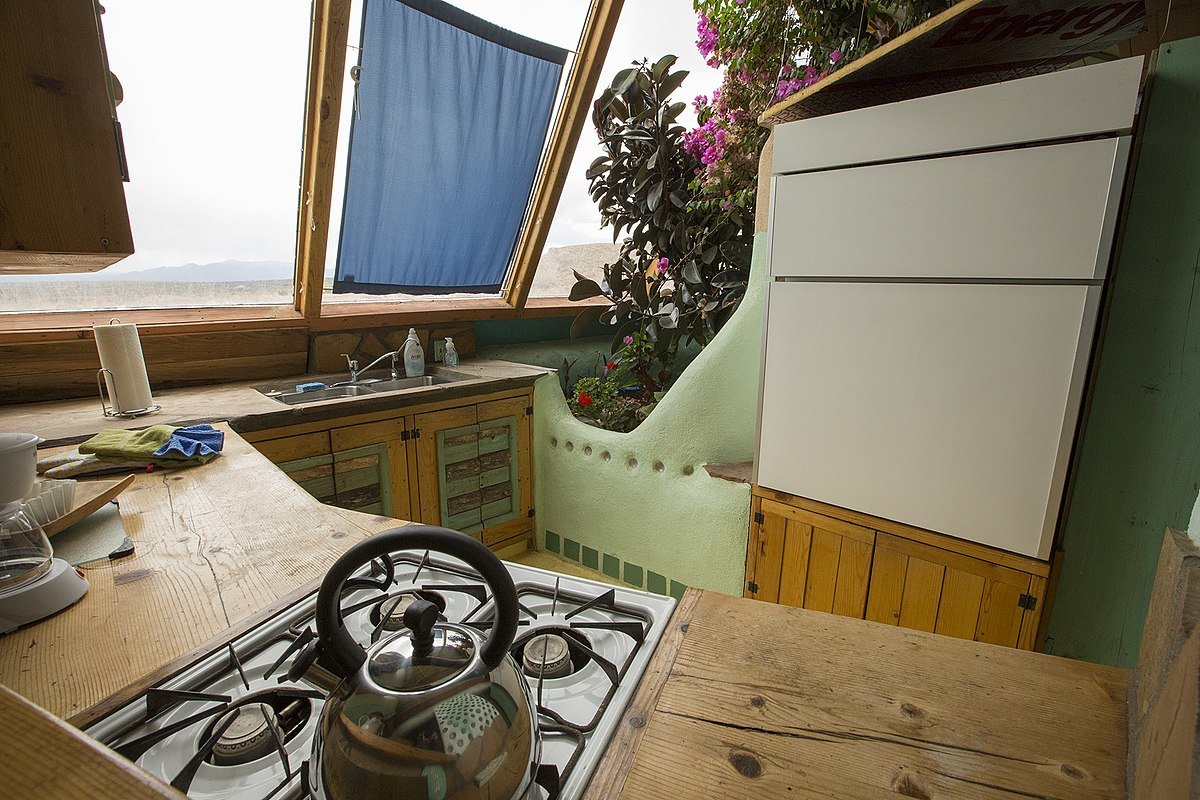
(576, 240)
(212, 117)
(557, 22)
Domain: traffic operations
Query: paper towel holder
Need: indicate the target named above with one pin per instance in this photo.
(112, 412)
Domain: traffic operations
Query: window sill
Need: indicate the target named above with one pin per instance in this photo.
(65, 325)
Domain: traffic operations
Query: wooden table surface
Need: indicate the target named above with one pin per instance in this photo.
(216, 545)
(751, 700)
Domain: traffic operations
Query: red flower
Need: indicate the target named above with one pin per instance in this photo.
(585, 399)
(610, 366)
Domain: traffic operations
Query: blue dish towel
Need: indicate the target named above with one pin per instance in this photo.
(194, 441)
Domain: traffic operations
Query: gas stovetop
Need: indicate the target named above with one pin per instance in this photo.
(233, 725)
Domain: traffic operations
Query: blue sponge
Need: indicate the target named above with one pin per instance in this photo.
(310, 387)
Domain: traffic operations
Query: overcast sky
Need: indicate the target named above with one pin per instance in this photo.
(213, 112)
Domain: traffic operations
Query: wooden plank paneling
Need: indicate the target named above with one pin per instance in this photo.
(1000, 614)
(58, 369)
(922, 595)
(794, 579)
(291, 448)
(854, 572)
(958, 612)
(886, 592)
(824, 555)
(769, 565)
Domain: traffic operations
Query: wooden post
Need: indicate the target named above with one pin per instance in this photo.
(581, 85)
(326, 71)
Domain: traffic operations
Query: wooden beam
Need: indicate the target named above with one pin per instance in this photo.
(581, 86)
(326, 72)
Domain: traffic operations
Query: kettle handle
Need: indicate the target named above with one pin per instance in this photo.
(346, 652)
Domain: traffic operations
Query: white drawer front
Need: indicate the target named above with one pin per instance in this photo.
(1038, 213)
(947, 406)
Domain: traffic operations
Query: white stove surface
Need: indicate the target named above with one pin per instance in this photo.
(582, 707)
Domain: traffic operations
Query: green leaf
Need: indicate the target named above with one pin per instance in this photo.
(690, 272)
(584, 289)
(661, 66)
(624, 79)
(585, 319)
(671, 83)
(655, 196)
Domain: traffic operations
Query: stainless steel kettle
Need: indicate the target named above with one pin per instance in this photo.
(432, 711)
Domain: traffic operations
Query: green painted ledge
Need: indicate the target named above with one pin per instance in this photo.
(642, 499)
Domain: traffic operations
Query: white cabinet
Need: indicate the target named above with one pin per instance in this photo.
(1030, 213)
(947, 406)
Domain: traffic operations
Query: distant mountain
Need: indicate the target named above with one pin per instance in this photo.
(221, 272)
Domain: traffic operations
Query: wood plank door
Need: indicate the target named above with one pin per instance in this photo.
(803, 559)
(447, 461)
(370, 467)
(505, 468)
(914, 585)
(306, 459)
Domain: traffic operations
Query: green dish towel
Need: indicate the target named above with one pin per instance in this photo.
(117, 445)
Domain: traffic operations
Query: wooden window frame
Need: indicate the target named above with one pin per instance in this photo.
(329, 36)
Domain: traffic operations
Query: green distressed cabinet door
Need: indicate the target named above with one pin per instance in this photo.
(506, 471)
(306, 459)
(447, 455)
(370, 468)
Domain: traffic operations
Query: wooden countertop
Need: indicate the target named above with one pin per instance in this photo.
(749, 700)
(216, 545)
(72, 421)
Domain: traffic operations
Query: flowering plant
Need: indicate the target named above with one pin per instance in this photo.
(599, 401)
(682, 266)
(771, 49)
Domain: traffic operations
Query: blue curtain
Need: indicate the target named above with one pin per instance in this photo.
(452, 115)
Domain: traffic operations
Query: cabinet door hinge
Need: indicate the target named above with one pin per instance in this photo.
(530, 514)
(759, 518)
(529, 411)
(404, 436)
(1027, 602)
(753, 587)
(415, 433)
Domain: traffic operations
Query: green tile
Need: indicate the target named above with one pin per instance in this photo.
(656, 583)
(552, 541)
(571, 549)
(633, 574)
(612, 566)
(677, 590)
(591, 558)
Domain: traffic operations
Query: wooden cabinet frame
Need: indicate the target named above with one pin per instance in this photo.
(813, 555)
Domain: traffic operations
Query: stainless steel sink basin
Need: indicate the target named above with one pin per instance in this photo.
(336, 389)
(331, 393)
(408, 383)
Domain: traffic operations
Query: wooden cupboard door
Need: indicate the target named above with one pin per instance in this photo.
(447, 468)
(505, 467)
(808, 560)
(370, 465)
(914, 585)
(307, 460)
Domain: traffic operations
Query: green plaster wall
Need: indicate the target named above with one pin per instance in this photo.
(643, 497)
(1139, 460)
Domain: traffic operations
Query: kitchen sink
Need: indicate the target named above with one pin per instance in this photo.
(331, 393)
(337, 387)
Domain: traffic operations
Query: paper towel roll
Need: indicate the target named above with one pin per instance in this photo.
(126, 379)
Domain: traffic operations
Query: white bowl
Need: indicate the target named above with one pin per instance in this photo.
(18, 465)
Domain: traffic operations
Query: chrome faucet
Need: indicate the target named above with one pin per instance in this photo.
(355, 372)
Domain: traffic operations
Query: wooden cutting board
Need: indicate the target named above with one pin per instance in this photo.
(89, 496)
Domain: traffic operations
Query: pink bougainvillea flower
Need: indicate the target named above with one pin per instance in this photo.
(835, 56)
(628, 340)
